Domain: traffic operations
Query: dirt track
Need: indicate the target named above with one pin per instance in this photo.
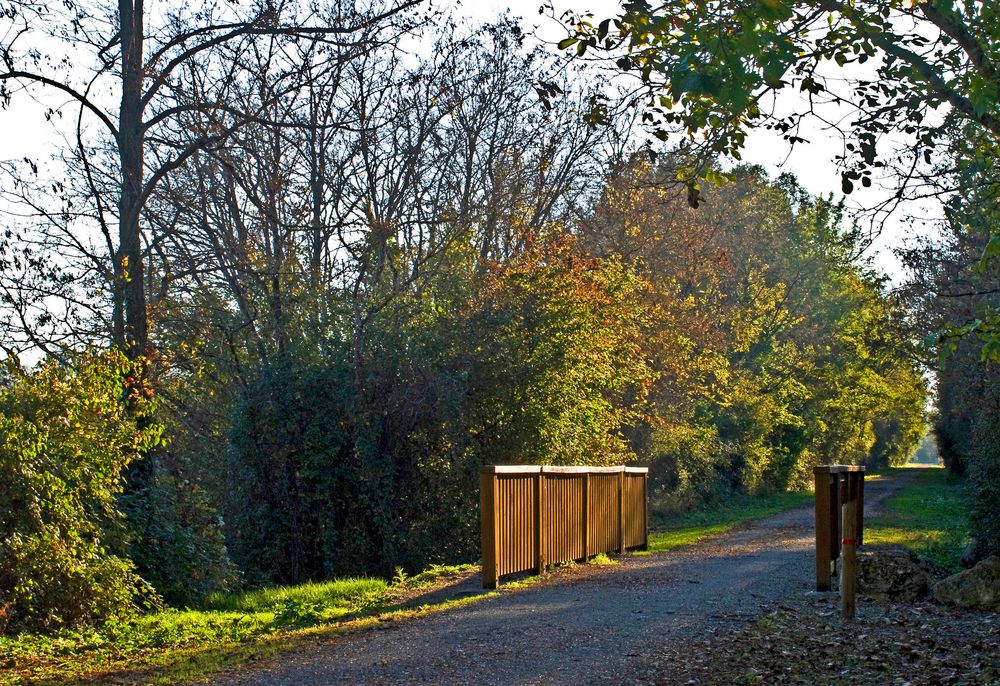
(588, 625)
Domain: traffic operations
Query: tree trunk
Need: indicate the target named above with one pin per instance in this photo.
(131, 327)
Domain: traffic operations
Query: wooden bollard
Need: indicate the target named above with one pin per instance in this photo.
(823, 529)
(849, 560)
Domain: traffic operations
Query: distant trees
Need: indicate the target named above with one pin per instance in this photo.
(774, 349)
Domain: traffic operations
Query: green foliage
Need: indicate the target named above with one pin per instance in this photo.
(295, 613)
(67, 439)
(293, 478)
(773, 348)
(368, 463)
(955, 287)
(602, 560)
(984, 465)
(712, 68)
(967, 429)
(559, 373)
(175, 539)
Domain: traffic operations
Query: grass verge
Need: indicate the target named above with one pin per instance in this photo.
(177, 645)
(929, 516)
(669, 531)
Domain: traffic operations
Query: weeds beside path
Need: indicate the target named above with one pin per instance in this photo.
(588, 624)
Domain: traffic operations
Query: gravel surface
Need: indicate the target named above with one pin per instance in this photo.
(585, 624)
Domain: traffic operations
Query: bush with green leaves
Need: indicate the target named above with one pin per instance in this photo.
(67, 433)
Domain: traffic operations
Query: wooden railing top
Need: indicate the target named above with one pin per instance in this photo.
(553, 469)
(837, 468)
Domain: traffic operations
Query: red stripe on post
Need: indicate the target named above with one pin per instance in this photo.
(848, 541)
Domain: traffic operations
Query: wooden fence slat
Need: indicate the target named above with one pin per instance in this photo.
(534, 516)
(645, 511)
(540, 522)
(585, 512)
(621, 512)
(488, 513)
(823, 531)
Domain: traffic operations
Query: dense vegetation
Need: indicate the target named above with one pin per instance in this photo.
(393, 272)
(915, 86)
(67, 441)
(956, 287)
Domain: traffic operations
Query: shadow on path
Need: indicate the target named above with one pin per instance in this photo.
(588, 625)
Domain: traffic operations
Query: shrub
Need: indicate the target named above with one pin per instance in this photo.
(65, 439)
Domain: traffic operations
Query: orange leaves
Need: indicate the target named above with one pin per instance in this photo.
(560, 336)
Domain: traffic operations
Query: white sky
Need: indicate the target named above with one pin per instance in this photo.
(23, 130)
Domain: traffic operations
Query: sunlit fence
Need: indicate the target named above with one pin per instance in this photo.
(836, 485)
(535, 516)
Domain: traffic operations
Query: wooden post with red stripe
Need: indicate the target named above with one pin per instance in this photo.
(849, 560)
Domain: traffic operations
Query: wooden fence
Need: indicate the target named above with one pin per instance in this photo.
(534, 516)
(835, 485)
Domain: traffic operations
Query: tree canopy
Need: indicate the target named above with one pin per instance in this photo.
(892, 76)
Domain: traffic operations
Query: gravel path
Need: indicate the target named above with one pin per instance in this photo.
(588, 624)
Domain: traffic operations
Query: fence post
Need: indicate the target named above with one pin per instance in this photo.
(488, 525)
(824, 530)
(860, 476)
(848, 563)
(645, 511)
(540, 522)
(837, 497)
(586, 517)
(621, 511)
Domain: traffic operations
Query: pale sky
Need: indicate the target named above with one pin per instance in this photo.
(23, 130)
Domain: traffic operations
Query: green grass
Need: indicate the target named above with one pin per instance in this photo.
(338, 593)
(930, 516)
(601, 559)
(173, 645)
(672, 531)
